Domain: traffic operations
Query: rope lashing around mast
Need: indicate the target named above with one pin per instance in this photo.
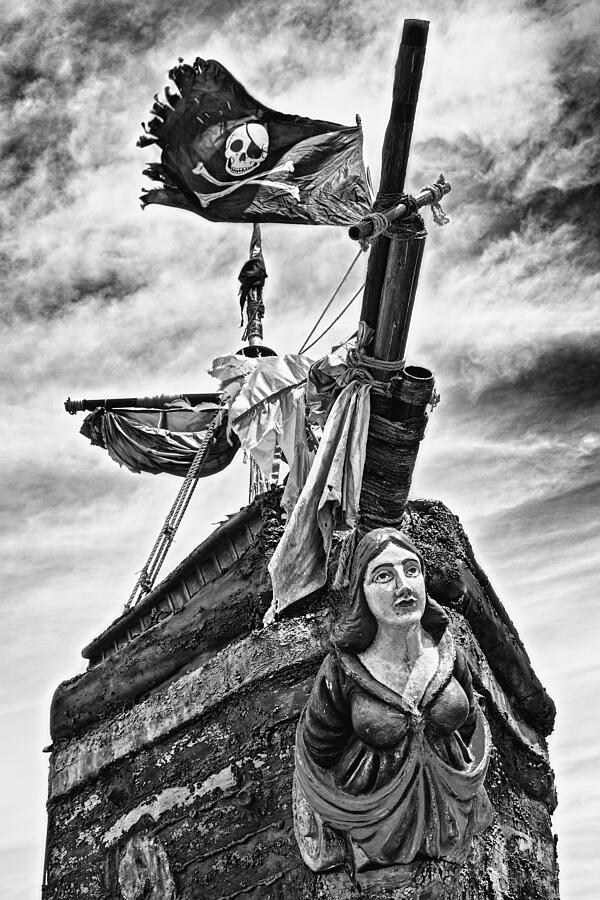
(256, 314)
(148, 574)
(404, 229)
(394, 447)
(358, 370)
(411, 225)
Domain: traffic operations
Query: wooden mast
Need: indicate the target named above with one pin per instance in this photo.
(393, 267)
(398, 418)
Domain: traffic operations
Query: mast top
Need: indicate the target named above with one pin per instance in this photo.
(414, 32)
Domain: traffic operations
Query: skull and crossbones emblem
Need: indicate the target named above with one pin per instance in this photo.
(247, 146)
(245, 149)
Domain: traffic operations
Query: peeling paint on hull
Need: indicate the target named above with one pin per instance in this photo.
(187, 794)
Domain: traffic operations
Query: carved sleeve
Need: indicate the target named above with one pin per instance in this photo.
(463, 676)
(327, 724)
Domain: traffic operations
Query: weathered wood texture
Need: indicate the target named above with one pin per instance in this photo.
(187, 793)
(234, 603)
(397, 299)
(214, 789)
(203, 566)
(205, 612)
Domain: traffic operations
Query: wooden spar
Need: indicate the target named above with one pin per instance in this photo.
(159, 402)
(387, 258)
(426, 196)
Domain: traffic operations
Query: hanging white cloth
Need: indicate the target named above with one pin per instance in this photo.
(266, 404)
(299, 565)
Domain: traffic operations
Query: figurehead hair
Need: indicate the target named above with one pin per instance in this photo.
(357, 629)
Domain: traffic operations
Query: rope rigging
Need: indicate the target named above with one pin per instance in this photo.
(149, 573)
(331, 324)
(329, 302)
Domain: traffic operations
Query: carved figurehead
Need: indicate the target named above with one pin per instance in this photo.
(392, 748)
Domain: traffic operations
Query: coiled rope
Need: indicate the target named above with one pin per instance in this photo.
(407, 228)
(411, 225)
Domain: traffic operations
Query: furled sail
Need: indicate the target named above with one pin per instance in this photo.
(162, 440)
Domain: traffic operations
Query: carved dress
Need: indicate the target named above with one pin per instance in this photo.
(405, 781)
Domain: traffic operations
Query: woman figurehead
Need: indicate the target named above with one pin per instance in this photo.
(391, 748)
(373, 558)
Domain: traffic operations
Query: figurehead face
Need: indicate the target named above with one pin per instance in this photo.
(394, 587)
(386, 568)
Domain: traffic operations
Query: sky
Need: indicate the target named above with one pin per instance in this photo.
(102, 299)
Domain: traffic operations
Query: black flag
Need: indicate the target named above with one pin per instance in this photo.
(230, 159)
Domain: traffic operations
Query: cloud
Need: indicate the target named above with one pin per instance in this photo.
(562, 381)
(544, 559)
(102, 300)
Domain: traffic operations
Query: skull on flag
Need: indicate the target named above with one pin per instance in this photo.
(229, 158)
(247, 146)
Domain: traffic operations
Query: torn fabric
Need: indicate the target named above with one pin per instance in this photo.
(267, 409)
(229, 158)
(299, 565)
(330, 374)
(324, 383)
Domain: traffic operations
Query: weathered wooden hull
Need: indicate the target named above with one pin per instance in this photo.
(182, 789)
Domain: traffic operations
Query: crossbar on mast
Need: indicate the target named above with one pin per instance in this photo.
(157, 402)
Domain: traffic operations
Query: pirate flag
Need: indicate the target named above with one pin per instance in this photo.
(228, 158)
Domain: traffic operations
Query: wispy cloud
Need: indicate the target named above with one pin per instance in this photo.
(100, 300)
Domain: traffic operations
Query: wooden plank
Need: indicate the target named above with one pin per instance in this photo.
(208, 569)
(225, 555)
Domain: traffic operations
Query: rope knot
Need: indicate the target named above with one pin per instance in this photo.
(439, 216)
(409, 226)
(356, 371)
(145, 582)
